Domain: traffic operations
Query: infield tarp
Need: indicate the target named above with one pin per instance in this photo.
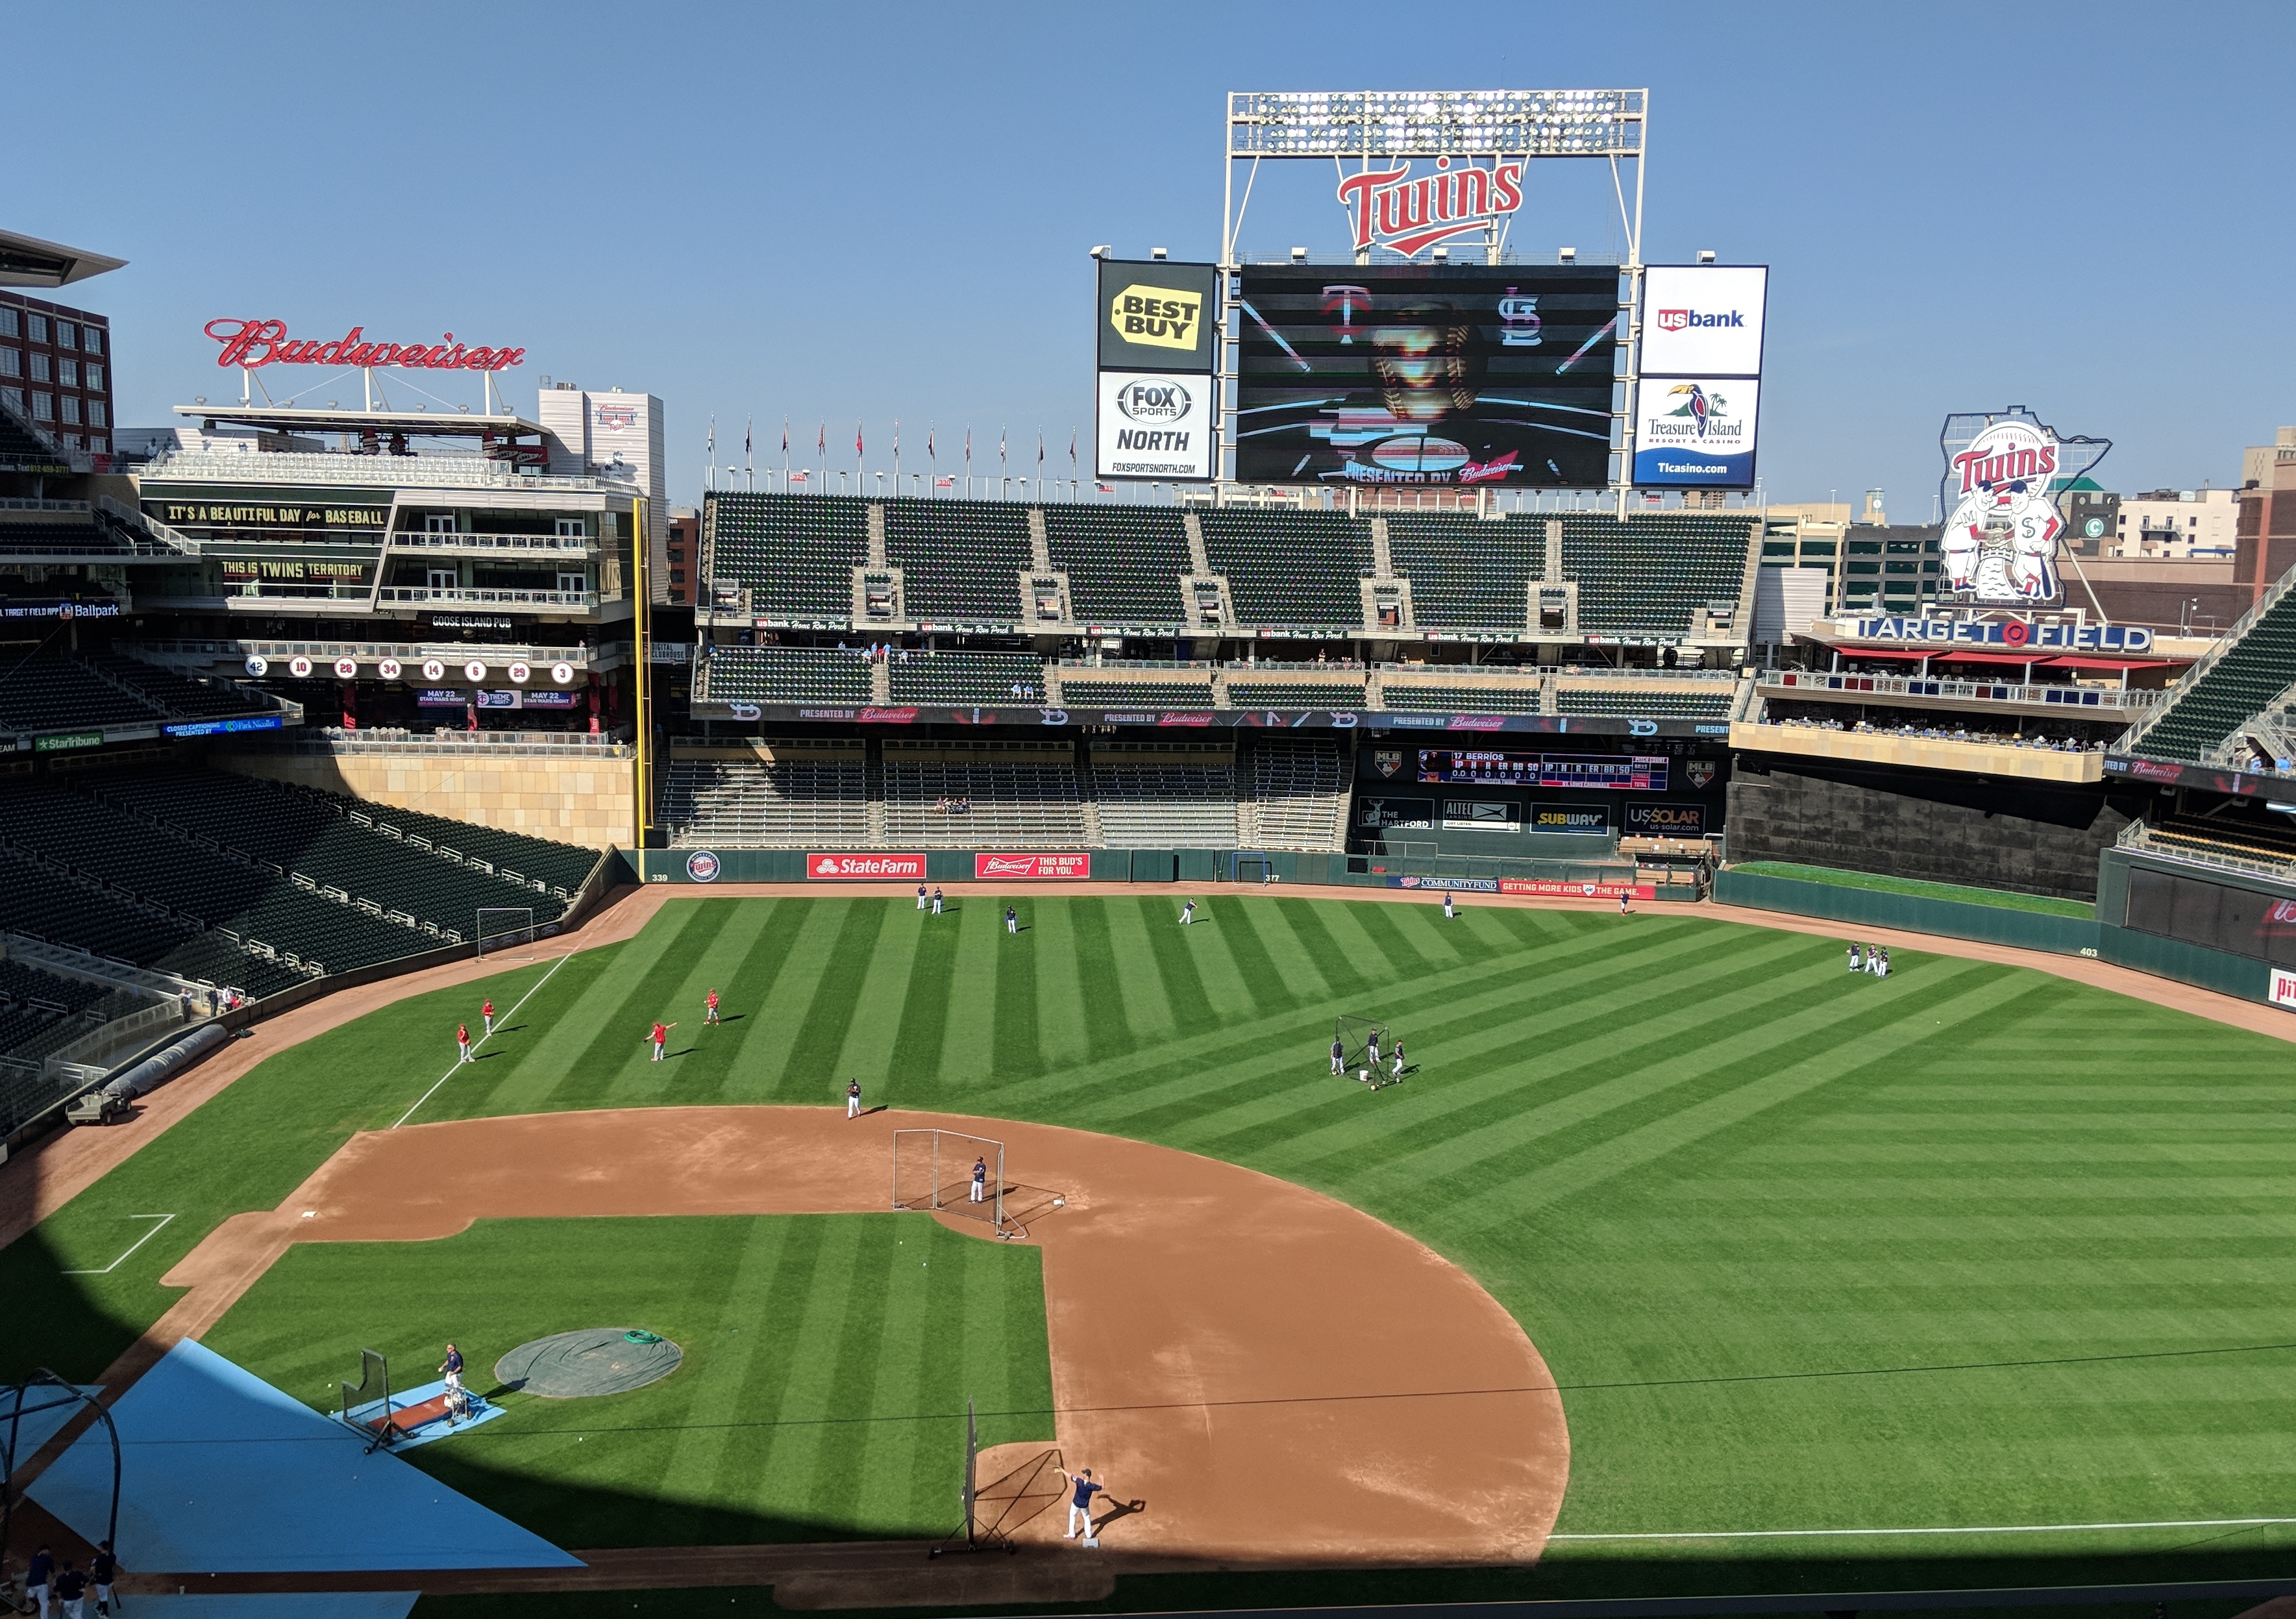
(220, 1473)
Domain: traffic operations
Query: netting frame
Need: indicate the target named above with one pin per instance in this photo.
(374, 1372)
(1351, 1034)
(524, 933)
(933, 1198)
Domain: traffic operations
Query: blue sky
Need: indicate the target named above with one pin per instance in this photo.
(865, 212)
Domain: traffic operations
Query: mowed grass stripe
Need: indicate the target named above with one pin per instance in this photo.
(1100, 994)
(1014, 1041)
(811, 1073)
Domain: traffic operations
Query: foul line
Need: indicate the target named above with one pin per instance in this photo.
(139, 1242)
(1777, 1534)
(483, 1039)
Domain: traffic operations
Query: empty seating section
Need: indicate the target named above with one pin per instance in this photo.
(796, 552)
(1695, 704)
(1466, 573)
(1297, 568)
(48, 690)
(1080, 693)
(1175, 802)
(1652, 574)
(760, 803)
(2240, 838)
(2244, 682)
(310, 835)
(786, 674)
(1261, 695)
(35, 538)
(1124, 563)
(41, 1011)
(1298, 795)
(1521, 699)
(37, 900)
(176, 694)
(967, 677)
(960, 561)
(564, 867)
(940, 798)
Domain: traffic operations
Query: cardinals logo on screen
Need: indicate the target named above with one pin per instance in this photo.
(2003, 473)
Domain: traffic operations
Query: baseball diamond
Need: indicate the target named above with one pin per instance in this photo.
(1683, 1256)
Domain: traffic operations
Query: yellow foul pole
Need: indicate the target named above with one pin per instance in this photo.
(641, 682)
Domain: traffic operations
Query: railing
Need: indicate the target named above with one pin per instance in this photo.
(1923, 734)
(1911, 686)
(109, 1036)
(577, 601)
(491, 743)
(135, 517)
(405, 652)
(2136, 836)
(410, 539)
(372, 471)
(2209, 660)
(69, 961)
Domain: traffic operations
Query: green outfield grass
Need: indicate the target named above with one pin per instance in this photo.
(2000, 897)
(1969, 1248)
(827, 1364)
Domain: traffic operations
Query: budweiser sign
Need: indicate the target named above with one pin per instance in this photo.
(987, 866)
(1392, 210)
(253, 343)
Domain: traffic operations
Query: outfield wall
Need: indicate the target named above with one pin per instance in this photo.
(2201, 958)
(583, 799)
(1866, 908)
(943, 867)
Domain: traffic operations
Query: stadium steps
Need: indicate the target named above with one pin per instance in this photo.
(1298, 788)
(792, 803)
(2248, 671)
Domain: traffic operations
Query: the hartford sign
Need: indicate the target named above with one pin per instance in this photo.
(1392, 210)
(251, 344)
(2015, 634)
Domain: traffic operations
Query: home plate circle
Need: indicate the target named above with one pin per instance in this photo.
(594, 1361)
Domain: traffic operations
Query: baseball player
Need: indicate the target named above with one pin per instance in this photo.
(1081, 1490)
(1011, 920)
(1856, 962)
(1397, 1070)
(853, 1099)
(1874, 959)
(1450, 912)
(1623, 894)
(72, 1591)
(1370, 1048)
(1188, 913)
(100, 1568)
(458, 1403)
(463, 1042)
(1338, 1056)
(936, 909)
(709, 1007)
(487, 1013)
(36, 1577)
(980, 1179)
(922, 901)
(661, 1037)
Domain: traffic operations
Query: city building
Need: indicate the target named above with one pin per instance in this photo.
(683, 556)
(56, 359)
(2175, 522)
(2266, 546)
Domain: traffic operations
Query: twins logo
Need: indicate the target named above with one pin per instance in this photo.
(702, 866)
(2002, 473)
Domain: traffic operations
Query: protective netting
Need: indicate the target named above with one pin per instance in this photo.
(594, 1361)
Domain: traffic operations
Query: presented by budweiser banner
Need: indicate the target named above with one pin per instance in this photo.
(1555, 887)
(865, 867)
(1033, 866)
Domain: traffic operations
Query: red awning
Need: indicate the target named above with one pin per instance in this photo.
(2117, 663)
(1879, 652)
(1996, 657)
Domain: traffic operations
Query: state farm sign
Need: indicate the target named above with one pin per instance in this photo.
(865, 867)
(252, 344)
(1031, 867)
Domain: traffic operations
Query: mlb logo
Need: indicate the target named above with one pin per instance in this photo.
(1387, 761)
(1673, 320)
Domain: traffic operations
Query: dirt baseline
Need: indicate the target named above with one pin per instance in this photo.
(1281, 1379)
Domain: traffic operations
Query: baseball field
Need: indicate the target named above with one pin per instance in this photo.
(1972, 1277)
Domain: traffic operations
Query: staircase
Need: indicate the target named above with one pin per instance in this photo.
(2243, 678)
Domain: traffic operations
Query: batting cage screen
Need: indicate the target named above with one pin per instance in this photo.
(1355, 1037)
(932, 1169)
(504, 927)
(366, 1403)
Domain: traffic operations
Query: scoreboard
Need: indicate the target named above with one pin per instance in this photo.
(1632, 772)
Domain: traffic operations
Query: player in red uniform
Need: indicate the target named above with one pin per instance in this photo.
(711, 1016)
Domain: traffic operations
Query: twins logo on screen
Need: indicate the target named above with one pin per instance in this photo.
(2005, 471)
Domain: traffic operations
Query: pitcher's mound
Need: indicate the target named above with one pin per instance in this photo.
(594, 1361)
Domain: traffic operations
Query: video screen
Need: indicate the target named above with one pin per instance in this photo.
(1479, 375)
(1633, 772)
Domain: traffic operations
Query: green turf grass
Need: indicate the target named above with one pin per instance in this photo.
(828, 1359)
(1968, 1246)
(2007, 901)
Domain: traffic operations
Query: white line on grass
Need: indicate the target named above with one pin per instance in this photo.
(483, 1039)
(1774, 1534)
(139, 1242)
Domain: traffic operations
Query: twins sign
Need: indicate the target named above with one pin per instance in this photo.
(2002, 472)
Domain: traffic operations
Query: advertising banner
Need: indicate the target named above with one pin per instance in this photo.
(2003, 470)
(1158, 316)
(1032, 866)
(221, 727)
(1555, 888)
(1481, 815)
(1464, 885)
(1633, 772)
(1411, 814)
(64, 741)
(1666, 820)
(1703, 318)
(865, 867)
(440, 697)
(1696, 432)
(2283, 988)
(1582, 818)
(1421, 373)
(1153, 424)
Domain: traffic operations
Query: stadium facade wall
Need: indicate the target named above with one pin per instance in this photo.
(945, 866)
(585, 802)
(1871, 907)
(2229, 972)
(1938, 826)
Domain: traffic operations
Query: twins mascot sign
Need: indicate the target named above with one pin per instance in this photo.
(2004, 472)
